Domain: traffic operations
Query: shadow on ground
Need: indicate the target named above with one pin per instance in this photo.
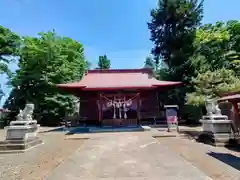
(227, 158)
(56, 129)
(200, 137)
(197, 136)
(234, 146)
(94, 129)
(192, 134)
(191, 125)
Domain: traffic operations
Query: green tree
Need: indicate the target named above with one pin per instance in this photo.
(216, 47)
(211, 46)
(233, 28)
(104, 62)
(149, 63)
(173, 28)
(216, 60)
(45, 61)
(212, 84)
(9, 45)
(234, 31)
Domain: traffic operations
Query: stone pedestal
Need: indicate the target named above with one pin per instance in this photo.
(217, 130)
(22, 130)
(21, 135)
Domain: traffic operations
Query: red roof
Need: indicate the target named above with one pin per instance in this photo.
(118, 79)
(230, 97)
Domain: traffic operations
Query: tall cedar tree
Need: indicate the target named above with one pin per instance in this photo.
(173, 28)
(104, 62)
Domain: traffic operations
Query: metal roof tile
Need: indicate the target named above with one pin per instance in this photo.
(118, 78)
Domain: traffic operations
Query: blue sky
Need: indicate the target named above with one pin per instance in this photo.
(115, 27)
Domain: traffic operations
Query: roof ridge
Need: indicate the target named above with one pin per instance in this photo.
(142, 70)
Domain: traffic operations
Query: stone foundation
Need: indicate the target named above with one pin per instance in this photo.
(19, 145)
(21, 135)
(215, 139)
(216, 132)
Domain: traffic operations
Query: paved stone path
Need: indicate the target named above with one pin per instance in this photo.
(125, 156)
(218, 163)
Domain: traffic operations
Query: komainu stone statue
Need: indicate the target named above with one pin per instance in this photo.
(26, 113)
(216, 127)
(212, 108)
(22, 133)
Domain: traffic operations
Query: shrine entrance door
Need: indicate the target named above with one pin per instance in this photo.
(119, 109)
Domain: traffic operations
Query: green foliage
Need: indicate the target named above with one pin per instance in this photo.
(173, 32)
(233, 28)
(213, 67)
(44, 61)
(192, 114)
(216, 47)
(216, 60)
(211, 45)
(173, 28)
(212, 84)
(104, 62)
(206, 58)
(9, 45)
(149, 63)
(195, 99)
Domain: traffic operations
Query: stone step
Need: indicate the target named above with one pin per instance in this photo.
(20, 146)
(17, 141)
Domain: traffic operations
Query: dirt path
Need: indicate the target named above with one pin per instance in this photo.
(215, 162)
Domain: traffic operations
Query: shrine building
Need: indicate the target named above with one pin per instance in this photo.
(119, 97)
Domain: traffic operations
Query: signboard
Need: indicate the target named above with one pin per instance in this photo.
(171, 114)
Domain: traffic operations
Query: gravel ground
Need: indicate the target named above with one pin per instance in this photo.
(36, 163)
(217, 162)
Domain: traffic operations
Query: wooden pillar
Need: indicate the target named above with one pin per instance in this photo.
(79, 107)
(100, 109)
(236, 111)
(138, 109)
(158, 103)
